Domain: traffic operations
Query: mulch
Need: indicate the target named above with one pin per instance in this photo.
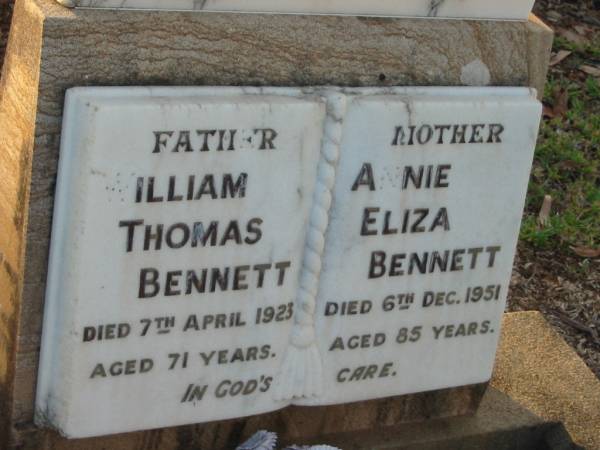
(566, 290)
(564, 286)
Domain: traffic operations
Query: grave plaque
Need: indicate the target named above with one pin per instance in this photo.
(180, 220)
(508, 9)
(424, 223)
(223, 252)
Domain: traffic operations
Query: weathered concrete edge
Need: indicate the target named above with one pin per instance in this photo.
(18, 100)
(540, 38)
(68, 3)
(538, 369)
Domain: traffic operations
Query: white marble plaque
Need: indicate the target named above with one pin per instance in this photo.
(424, 223)
(222, 252)
(485, 9)
(180, 220)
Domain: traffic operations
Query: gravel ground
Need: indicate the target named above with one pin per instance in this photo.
(566, 290)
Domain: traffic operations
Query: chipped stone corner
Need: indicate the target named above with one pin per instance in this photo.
(476, 73)
(45, 417)
(68, 3)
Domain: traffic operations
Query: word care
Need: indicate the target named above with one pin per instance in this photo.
(224, 252)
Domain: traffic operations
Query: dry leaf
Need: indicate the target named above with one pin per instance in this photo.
(544, 214)
(590, 70)
(586, 252)
(560, 56)
(572, 36)
(568, 165)
(548, 112)
(582, 29)
(553, 16)
(561, 104)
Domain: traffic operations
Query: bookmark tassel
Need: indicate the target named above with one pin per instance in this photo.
(301, 374)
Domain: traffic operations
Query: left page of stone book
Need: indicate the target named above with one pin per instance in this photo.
(177, 244)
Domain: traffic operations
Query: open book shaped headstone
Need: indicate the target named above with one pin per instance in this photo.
(224, 252)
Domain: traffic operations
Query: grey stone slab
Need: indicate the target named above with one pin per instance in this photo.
(500, 424)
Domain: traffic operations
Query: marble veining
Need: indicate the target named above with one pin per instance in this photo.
(483, 9)
(434, 7)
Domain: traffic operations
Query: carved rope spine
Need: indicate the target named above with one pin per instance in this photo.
(301, 374)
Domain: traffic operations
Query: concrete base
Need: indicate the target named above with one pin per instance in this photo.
(52, 48)
(538, 369)
(500, 424)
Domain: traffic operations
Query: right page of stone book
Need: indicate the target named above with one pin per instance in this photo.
(425, 215)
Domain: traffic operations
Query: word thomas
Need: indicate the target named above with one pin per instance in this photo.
(196, 234)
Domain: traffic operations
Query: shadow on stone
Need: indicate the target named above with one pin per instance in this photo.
(500, 424)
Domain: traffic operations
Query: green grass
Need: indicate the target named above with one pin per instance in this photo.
(567, 163)
(590, 49)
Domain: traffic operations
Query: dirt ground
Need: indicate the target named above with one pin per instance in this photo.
(561, 284)
(568, 297)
